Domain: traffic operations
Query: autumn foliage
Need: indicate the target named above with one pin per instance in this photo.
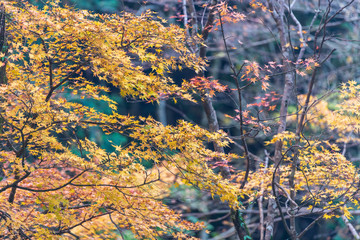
(57, 185)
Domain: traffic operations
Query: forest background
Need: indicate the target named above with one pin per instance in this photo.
(280, 81)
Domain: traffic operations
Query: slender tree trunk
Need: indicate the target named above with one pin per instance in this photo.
(278, 15)
(161, 112)
(236, 215)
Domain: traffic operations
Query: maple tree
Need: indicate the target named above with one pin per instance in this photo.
(55, 184)
(303, 179)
